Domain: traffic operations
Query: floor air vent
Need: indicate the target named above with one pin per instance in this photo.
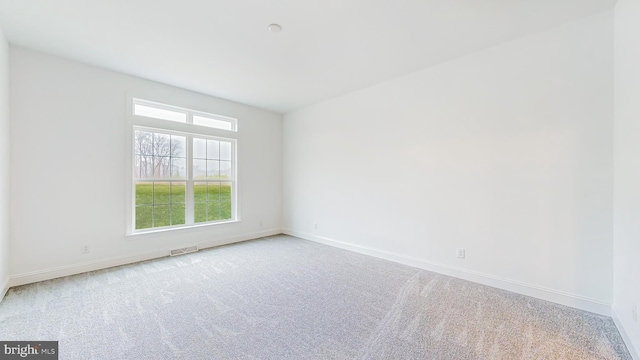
(186, 250)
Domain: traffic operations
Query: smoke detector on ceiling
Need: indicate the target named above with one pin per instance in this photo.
(275, 28)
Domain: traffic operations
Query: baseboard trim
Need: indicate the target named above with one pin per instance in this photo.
(239, 238)
(634, 349)
(4, 289)
(67, 270)
(559, 297)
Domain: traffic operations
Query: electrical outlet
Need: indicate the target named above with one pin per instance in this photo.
(315, 226)
(84, 249)
(260, 222)
(634, 312)
(460, 253)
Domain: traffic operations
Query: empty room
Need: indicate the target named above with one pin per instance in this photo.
(280, 179)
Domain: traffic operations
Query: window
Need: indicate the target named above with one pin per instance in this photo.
(214, 123)
(173, 113)
(181, 178)
(212, 188)
(158, 113)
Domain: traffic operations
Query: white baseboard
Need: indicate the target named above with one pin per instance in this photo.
(633, 347)
(519, 287)
(52, 273)
(4, 289)
(243, 237)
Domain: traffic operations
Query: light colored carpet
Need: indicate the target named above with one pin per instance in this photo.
(286, 298)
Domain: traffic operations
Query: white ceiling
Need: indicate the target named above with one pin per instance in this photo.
(327, 47)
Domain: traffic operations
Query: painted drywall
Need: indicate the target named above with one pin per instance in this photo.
(626, 284)
(506, 153)
(4, 165)
(69, 130)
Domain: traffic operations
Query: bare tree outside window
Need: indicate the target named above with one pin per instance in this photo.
(159, 156)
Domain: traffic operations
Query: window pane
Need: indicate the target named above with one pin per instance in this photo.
(225, 150)
(143, 166)
(199, 169)
(225, 191)
(177, 192)
(156, 113)
(213, 149)
(144, 193)
(161, 167)
(225, 210)
(178, 146)
(218, 124)
(200, 192)
(178, 168)
(200, 212)
(214, 191)
(225, 170)
(213, 211)
(177, 214)
(143, 143)
(161, 144)
(199, 148)
(161, 193)
(161, 215)
(213, 169)
(143, 217)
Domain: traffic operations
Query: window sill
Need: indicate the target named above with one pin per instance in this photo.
(136, 234)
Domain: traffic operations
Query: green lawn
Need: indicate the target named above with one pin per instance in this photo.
(163, 203)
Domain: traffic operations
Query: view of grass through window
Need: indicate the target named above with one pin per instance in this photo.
(159, 204)
(160, 175)
(163, 203)
(212, 201)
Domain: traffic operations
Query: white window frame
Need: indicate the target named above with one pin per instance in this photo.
(188, 112)
(189, 131)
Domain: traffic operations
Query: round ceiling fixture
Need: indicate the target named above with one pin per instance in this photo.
(275, 28)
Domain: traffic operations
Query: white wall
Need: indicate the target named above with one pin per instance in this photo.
(626, 284)
(4, 165)
(69, 130)
(506, 152)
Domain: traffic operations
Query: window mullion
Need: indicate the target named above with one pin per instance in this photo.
(189, 206)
